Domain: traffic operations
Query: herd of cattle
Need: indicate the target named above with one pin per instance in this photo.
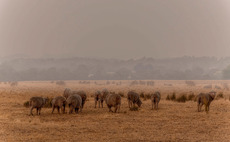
(76, 100)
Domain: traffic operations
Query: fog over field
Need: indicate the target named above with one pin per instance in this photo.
(72, 40)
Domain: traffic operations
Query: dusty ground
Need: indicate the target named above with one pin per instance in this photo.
(172, 122)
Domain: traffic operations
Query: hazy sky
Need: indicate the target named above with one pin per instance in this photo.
(115, 28)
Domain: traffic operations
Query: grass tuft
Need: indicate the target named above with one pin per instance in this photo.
(60, 82)
(191, 96)
(134, 108)
(26, 104)
(190, 83)
(182, 98)
(220, 95)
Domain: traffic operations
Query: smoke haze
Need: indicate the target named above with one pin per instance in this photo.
(114, 29)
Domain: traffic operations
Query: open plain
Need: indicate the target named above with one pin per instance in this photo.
(173, 121)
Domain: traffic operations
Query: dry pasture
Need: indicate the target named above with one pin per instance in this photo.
(172, 122)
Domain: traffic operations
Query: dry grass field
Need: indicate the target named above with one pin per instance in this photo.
(172, 122)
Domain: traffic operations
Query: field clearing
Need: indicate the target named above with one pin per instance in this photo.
(172, 122)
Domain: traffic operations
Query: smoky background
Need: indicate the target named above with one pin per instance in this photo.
(103, 40)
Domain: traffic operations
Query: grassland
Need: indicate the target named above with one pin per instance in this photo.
(172, 122)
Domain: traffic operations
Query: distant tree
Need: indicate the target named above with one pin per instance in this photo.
(226, 73)
(123, 73)
(99, 72)
(82, 72)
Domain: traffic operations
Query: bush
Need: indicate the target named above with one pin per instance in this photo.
(12, 84)
(190, 83)
(107, 82)
(173, 96)
(147, 96)
(26, 104)
(134, 108)
(191, 96)
(150, 83)
(60, 82)
(182, 98)
(207, 87)
(121, 94)
(220, 95)
(112, 92)
(92, 95)
(217, 87)
(167, 84)
(168, 97)
(142, 95)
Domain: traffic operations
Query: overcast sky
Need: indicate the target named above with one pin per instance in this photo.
(115, 28)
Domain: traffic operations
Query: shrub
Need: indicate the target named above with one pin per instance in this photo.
(173, 96)
(12, 84)
(121, 94)
(134, 83)
(142, 95)
(92, 95)
(60, 82)
(217, 87)
(191, 96)
(112, 92)
(220, 95)
(150, 83)
(26, 104)
(167, 84)
(190, 83)
(147, 96)
(208, 86)
(168, 97)
(182, 98)
(107, 82)
(134, 108)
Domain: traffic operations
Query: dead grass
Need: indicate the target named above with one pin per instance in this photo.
(134, 108)
(182, 98)
(13, 84)
(208, 86)
(220, 95)
(26, 104)
(171, 97)
(60, 82)
(121, 94)
(172, 122)
(191, 96)
(190, 83)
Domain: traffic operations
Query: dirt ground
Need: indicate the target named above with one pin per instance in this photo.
(172, 122)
